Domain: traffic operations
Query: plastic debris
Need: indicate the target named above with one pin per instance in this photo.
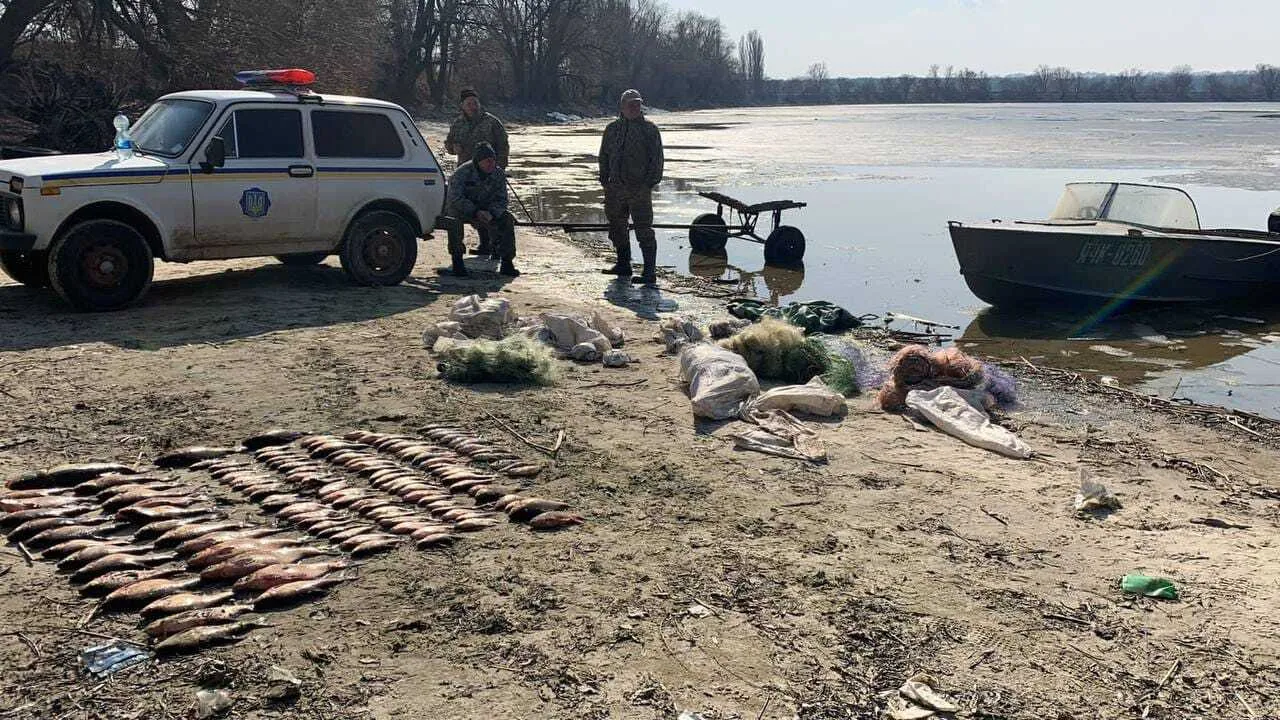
(690, 715)
(212, 703)
(953, 414)
(918, 698)
(584, 352)
(1094, 496)
(106, 660)
(617, 359)
(719, 381)
(1154, 587)
(282, 685)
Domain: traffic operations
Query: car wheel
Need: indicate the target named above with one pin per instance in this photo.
(302, 259)
(379, 249)
(100, 265)
(30, 268)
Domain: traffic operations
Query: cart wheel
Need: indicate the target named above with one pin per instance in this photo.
(785, 246)
(708, 234)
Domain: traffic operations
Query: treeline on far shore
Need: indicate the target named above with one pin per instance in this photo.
(1045, 84)
(68, 66)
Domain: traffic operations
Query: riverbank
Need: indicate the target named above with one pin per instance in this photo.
(705, 579)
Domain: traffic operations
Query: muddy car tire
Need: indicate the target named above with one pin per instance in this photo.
(30, 268)
(302, 259)
(380, 248)
(101, 265)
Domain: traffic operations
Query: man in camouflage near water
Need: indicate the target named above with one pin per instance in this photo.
(478, 195)
(630, 168)
(473, 126)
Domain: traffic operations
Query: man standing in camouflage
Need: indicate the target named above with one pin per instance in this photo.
(478, 195)
(630, 168)
(475, 125)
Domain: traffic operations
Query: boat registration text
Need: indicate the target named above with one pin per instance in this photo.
(1121, 253)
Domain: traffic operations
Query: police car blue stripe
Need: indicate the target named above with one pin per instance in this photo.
(429, 171)
(109, 174)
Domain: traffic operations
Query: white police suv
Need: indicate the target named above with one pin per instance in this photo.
(271, 170)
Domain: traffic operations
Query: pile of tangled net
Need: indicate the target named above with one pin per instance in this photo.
(777, 350)
(516, 360)
(916, 367)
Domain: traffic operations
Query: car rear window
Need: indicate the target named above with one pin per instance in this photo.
(269, 133)
(347, 134)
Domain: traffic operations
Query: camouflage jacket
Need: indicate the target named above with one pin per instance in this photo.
(631, 154)
(471, 191)
(464, 133)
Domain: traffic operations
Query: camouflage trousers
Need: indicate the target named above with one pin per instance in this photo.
(625, 205)
(501, 234)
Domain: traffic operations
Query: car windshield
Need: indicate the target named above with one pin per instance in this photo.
(1149, 205)
(167, 127)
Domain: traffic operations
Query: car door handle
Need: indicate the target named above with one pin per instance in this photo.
(301, 171)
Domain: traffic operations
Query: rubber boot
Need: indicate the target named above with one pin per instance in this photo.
(509, 269)
(648, 275)
(459, 268)
(622, 268)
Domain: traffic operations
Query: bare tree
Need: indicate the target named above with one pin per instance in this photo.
(537, 37)
(1268, 79)
(16, 19)
(1179, 83)
(751, 62)
(1127, 85)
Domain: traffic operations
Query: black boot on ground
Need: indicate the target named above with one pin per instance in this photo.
(646, 277)
(509, 269)
(620, 269)
(459, 268)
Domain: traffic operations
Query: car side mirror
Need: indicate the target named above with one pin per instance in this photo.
(215, 156)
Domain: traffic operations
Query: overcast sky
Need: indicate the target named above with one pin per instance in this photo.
(890, 37)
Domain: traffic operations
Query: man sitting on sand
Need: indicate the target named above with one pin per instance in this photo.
(476, 125)
(478, 195)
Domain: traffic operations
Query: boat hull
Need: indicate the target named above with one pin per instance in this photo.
(1010, 265)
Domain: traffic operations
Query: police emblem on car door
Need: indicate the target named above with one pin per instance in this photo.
(255, 203)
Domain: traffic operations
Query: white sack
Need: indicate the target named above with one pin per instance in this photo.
(487, 318)
(952, 414)
(719, 380)
(815, 399)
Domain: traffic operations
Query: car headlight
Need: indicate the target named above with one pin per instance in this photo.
(15, 214)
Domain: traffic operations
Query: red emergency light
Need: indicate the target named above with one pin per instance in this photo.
(293, 76)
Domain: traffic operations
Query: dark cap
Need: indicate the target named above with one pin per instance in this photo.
(483, 151)
(469, 93)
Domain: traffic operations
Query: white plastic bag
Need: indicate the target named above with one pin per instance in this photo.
(614, 333)
(815, 399)
(445, 329)
(483, 318)
(952, 414)
(569, 332)
(719, 380)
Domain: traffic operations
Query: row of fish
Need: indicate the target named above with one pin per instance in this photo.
(145, 541)
(358, 452)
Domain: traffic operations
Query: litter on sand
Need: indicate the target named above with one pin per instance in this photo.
(951, 413)
(1155, 587)
(813, 398)
(918, 698)
(104, 660)
(516, 360)
(676, 333)
(1094, 496)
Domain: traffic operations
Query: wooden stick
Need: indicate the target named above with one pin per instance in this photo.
(806, 503)
(767, 700)
(26, 554)
(1237, 423)
(1247, 709)
(35, 649)
(641, 381)
(540, 448)
(890, 462)
(1177, 662)
(994, 516)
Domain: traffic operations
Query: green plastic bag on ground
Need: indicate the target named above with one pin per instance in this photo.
(1155, 587)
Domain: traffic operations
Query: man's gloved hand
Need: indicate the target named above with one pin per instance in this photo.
(484, 216)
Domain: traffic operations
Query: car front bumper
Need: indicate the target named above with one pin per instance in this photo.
(16, 241)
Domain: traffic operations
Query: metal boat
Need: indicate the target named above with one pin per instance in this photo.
(1118, 243)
